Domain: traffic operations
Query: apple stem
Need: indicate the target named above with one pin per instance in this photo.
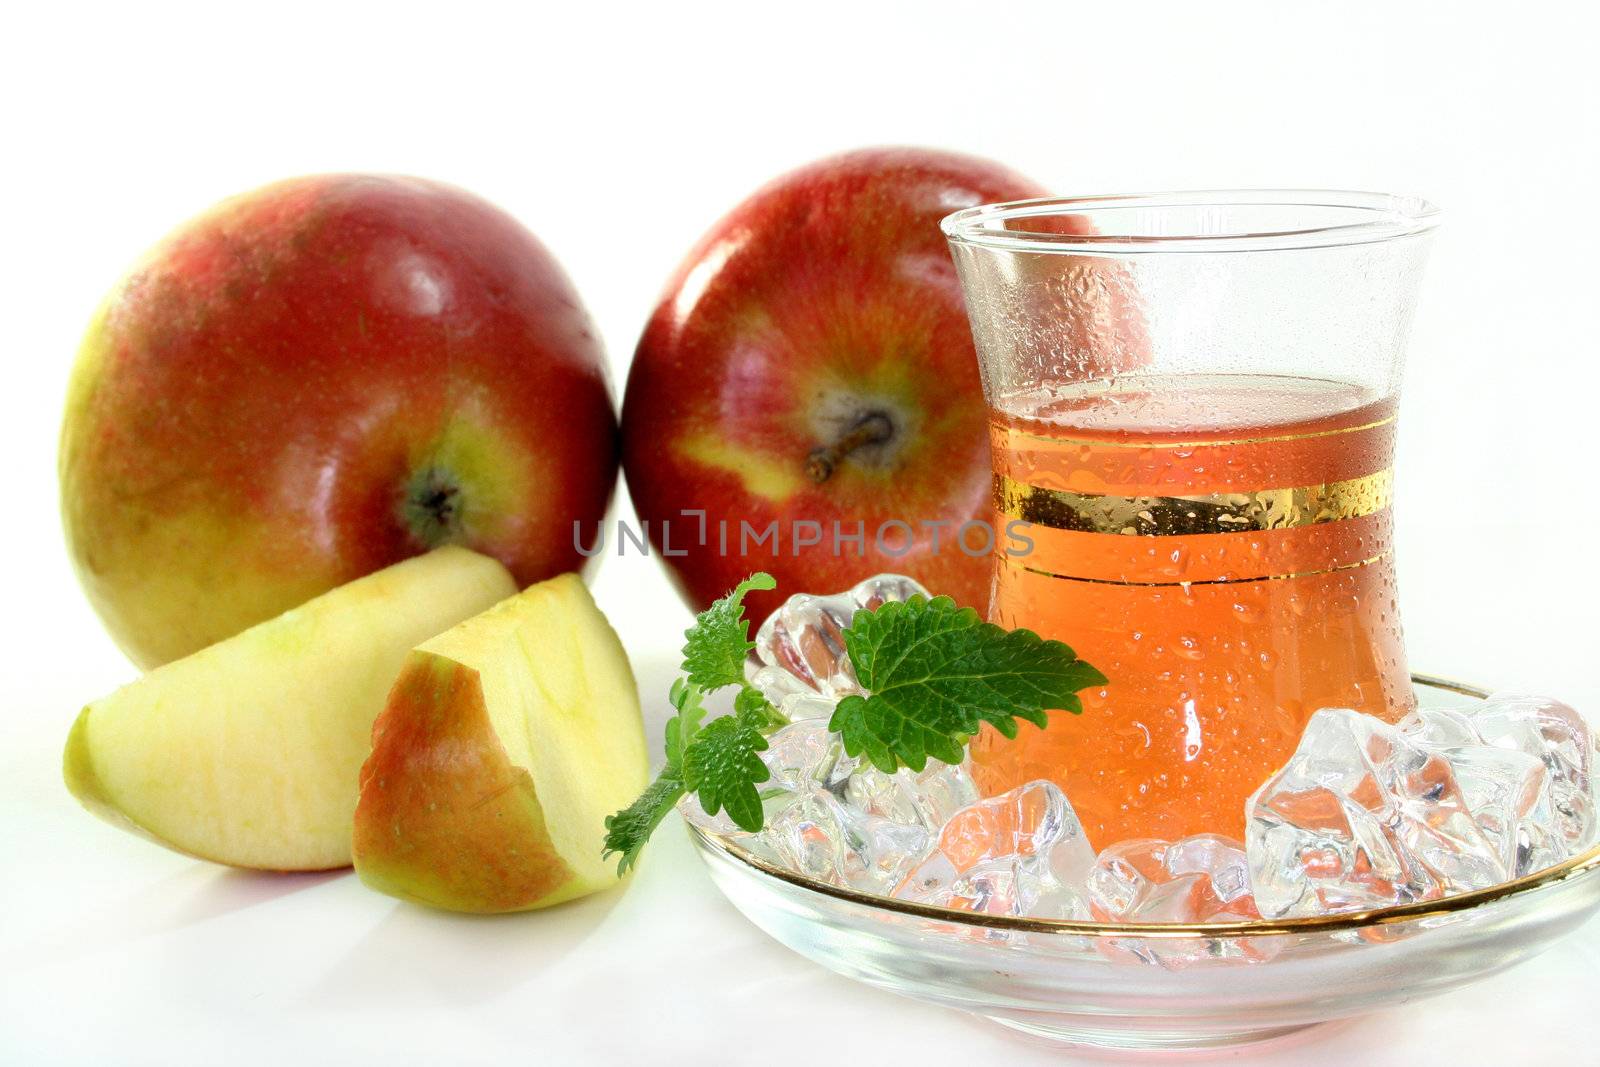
(874, 428)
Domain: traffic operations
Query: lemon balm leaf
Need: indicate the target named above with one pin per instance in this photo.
(716, 646)
(681, 728)
(722, 766)
(849, 721)
(935, 672)
(756, 711)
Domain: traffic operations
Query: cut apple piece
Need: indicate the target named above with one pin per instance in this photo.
(505, 744)
(249, 752)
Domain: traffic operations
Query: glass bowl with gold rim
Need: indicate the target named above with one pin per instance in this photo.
(1164, 986)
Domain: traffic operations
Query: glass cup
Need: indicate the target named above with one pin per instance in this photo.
(1192, 404)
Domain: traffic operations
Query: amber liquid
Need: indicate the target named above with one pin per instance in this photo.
(1219, 547)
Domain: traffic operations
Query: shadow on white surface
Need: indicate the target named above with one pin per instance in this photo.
(195, 895)
(1303, 1047)
(425, 956)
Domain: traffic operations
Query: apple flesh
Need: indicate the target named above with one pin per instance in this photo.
(249, 752)
(503, 747)
(811, 360)
(315, 380)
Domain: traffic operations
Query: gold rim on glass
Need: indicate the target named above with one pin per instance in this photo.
(1575, 867)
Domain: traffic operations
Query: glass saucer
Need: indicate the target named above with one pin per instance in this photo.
(1164, 986)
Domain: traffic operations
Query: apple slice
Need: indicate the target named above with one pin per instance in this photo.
(249, 752)
(505, 744)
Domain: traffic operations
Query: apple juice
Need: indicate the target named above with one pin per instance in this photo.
(1219, 547)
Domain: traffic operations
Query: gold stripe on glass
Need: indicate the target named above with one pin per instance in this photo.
(1208, 581)
(1207, 513)
(1141, 444)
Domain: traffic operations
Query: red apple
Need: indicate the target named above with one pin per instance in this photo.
(811, 362)
(314, 380)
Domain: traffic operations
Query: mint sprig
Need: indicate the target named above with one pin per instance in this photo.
(717, 761)
(934, 673)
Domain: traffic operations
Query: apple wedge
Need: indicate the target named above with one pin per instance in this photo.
(249, 752)
(505, 743)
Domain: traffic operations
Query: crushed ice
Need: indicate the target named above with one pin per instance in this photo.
(1365, 814)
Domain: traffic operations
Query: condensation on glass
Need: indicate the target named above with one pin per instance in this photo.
(1192, 405)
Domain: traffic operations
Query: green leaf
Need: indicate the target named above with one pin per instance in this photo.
(935, 672)
(849, 722)
(681, 727)
(715, 647)
(722, 766)
(630, 828)
(756, 711)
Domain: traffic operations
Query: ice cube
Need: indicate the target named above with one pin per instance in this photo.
(800, 755)
(1506, 790)
(801, 645)
(927, 798)
(1509, 796)
(1560, 738)
(797, 707)
(1525, 765)
(1198, 879)
(1020, 853)
(818, 836)
(1362, 816)
(1441, 728)
(806, 753)
(882, 589)
(780, 687)
(719, 825)
(1007, 885)
(1010, 884)
(1034, 819)
(1223, 862)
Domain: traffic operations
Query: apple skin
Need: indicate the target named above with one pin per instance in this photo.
(317, 379)
(827, 295)
(474, 835)
(503, 747)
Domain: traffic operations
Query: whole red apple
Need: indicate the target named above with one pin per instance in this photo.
(317, 379)
(811, 363)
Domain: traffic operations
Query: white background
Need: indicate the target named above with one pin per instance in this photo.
(618, 136)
